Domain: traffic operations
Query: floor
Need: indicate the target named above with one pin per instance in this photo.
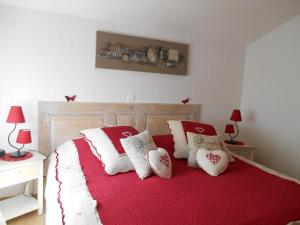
(28, 219)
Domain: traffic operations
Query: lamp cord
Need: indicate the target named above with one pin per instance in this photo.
(9, 138)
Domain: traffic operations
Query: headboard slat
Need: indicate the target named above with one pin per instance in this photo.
(60, 121)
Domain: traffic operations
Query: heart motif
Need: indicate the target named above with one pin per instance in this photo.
(160, 162)
(200, 129)
(212, 162)
(126, 134)
(164, 159)
(213, 158)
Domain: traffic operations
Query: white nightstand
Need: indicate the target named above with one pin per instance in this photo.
(16, 172)
(245, 150)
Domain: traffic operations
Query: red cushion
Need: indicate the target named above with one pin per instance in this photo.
(116, 133)
(165, 141)
(198, 128)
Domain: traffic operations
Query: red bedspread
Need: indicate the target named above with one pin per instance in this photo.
(242, 195)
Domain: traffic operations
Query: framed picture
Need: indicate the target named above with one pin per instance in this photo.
(123, 52)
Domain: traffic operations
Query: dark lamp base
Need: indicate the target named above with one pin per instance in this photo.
(18, 154)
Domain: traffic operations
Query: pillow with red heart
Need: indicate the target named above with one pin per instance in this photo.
(106, 146)
(160, 162)
(213, 162)
(178, 130)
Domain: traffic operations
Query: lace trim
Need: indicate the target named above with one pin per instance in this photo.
(59, 189)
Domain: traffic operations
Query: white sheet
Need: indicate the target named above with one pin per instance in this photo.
(78, 204)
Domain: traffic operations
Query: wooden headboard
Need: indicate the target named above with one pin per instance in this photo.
(61, 121)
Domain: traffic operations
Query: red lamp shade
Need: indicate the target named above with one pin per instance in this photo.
(236, 115)
(24, 137)
(15, 115)
(229, 129)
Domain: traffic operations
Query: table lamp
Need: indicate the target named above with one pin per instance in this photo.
(24, 137)
(229, 129)
(15, 116)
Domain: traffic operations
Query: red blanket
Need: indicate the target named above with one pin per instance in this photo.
(243, 195)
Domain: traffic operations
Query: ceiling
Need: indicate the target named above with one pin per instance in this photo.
(240, 21)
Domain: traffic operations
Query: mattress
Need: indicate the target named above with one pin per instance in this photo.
(78, 191)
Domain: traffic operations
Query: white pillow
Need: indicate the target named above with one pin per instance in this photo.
(180, 127)
(180, 142)
(160, 163)
(136, 148)
(196, 141)
(213, 162)
(103, 148)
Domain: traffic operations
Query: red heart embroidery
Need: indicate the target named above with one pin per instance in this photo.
(200, 129)
(164, 159)
(126, 134)
(213, 158)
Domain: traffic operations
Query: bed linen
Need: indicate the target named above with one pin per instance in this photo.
(244, 194)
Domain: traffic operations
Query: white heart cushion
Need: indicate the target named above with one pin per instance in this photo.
(196, 141)
(213, 162)
(160, 162)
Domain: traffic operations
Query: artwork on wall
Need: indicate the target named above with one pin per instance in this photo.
(123, 52)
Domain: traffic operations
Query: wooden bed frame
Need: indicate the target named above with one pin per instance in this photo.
(61, 121)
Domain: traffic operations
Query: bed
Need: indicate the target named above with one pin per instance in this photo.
(79, 192)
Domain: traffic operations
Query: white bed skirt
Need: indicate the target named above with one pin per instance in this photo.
(78, 205)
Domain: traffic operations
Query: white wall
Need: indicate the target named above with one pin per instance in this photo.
(270, 98)
(44, 56)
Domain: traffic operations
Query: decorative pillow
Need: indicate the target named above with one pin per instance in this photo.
(106, 146)
(196, 141)
(179, 129)
(165, 141)
(136, 148)
(160, 162)
(213, 162)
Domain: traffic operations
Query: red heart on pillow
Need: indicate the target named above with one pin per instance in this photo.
(126, 134)
(164, 159)
(200, 129)
(213, 158)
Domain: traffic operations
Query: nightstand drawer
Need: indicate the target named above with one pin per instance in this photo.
(19, 175)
